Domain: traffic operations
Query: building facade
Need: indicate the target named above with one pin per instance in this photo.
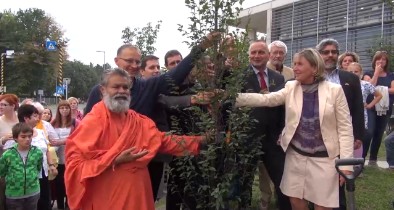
(360, 26)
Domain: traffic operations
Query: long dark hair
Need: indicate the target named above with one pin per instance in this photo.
(57, 122)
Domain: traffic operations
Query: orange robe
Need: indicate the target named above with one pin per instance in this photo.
(91, 184)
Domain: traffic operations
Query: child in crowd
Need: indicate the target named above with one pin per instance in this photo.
(20, 165)
(366, 89)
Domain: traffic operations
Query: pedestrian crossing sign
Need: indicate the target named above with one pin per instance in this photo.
(51, 45)
(59, 90)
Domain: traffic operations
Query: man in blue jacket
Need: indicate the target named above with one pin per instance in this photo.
(145, 92)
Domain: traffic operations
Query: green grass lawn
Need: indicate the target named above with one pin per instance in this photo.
(375, 190)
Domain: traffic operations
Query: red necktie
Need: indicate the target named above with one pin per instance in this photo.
(263, 85)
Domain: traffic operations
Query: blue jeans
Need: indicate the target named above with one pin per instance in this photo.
(376, 127)
(389, 142)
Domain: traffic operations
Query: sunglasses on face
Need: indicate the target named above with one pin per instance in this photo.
(327, 52)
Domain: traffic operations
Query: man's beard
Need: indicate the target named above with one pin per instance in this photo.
(276, 63)
(331, 66)
(118, 103)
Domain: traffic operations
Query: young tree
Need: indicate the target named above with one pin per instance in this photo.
(144, 38)
(214, 178)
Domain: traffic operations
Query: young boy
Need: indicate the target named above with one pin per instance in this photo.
(20, 165)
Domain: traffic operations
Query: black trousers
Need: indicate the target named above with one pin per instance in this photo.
(342, 198)
(155, 172)
(175, 191)
(60, 187)
(44, 202)
(274, 161)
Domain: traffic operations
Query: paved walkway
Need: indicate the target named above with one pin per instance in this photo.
(381, 164)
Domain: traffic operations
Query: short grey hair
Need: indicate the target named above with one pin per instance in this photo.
(127, 46)
(38, 106)
(111, 72)
(277, 43)
(257, 41)
(329, 41)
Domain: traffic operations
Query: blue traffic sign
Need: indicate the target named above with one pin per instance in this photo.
(59, 90)
(51, 45)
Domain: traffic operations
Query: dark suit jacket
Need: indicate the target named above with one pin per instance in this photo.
(352, 88)
(271, 120)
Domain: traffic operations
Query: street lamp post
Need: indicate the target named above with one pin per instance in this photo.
(102, 51)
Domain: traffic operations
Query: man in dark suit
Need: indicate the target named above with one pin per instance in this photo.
(260, 79)
(329, 50)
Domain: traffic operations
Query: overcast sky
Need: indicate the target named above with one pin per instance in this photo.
(97, 25)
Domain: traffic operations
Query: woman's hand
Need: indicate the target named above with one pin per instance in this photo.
(378, 68)
(202, 98)
(6, 138)
(368, 106)
(57, 142)
(52, 170)
(342, 179)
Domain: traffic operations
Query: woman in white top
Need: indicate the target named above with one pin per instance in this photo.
(9, 103)
(29, 114)
(64, 124)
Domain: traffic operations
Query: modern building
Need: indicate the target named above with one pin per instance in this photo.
(360, 26)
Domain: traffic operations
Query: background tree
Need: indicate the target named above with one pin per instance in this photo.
(33, 67)
(213, 178)
(144, 38)
(83, 78)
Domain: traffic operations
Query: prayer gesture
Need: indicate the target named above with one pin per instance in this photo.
(128, 155)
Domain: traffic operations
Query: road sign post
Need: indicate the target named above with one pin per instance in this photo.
(66, 82)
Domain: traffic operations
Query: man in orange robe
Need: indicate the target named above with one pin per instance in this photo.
(107, 155)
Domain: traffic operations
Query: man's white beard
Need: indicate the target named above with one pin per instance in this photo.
(118, 103)
(276, 63)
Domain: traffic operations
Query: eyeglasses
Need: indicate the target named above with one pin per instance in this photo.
(131, 61)
(3, 104)
(327, 52)
(64, 108)
(281, 53)
(378, 52)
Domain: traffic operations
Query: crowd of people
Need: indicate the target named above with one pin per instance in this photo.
(114, 154)
(29, 131)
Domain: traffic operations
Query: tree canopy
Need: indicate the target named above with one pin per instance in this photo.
(144, 38)
(33, 67)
